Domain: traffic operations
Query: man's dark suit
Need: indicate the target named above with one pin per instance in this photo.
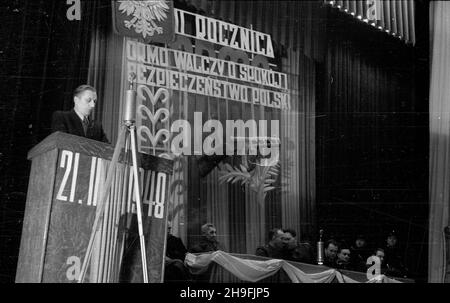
(69, 122)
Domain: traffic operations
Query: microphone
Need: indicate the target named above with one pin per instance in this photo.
(129, 113)
(320, 247)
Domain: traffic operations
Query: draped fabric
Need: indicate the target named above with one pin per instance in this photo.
(44, 56)
(218, 207)
(298, 25)
(105, 69)
(439, 140)
(242, 221)
(208, 200)
(178, 199)
(105, 73)
(294, 204)
(371, 134)
(367, 133)
(250, 270)
(395, 17)
(239, 217)
(298, 148)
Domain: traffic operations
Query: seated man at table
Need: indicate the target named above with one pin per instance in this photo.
(393, 257)
(277, 247)
(208, 241)
(78, 121)
(175, 270)
(359, 253)
(343, 257)
(330, 252)
(298, 251)
(379, 253)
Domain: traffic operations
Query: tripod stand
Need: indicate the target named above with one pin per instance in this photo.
(127, 131)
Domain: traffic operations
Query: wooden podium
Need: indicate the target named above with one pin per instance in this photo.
(67, 173)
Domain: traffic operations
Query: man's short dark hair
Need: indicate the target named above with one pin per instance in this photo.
(205, 227)
(378, 249)
(343, 245)
(331, 241)
(83, 88)
(360, 237)
(291, 231)
(341, 248)
(273, 232)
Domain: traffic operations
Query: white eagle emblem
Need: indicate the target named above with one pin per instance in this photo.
(145, 13)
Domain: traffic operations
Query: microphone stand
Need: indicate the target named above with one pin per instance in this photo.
(128, 131)
(320, 248)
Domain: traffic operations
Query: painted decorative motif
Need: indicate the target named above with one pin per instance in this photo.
(153, 115)
(261, 177)
(148, 20)
(145, 13)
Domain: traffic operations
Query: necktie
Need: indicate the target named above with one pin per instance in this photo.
(85, 124)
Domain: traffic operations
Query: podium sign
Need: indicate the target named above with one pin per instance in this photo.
(67, 176)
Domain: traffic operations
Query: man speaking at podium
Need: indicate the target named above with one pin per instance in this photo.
(77, 121)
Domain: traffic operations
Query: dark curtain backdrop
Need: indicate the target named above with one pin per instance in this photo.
(369, 127)
(395, 17)
(372, 140)
(297, 32)
(295, 24)
(298, 200)
(43, 57)
(105, 68)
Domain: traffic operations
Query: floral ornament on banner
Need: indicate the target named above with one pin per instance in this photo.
(152, 21)
(261, 179)
(153, 132)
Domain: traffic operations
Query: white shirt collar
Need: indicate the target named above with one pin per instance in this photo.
(80, 115)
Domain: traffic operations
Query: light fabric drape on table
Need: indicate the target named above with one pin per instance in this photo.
(255, 270)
